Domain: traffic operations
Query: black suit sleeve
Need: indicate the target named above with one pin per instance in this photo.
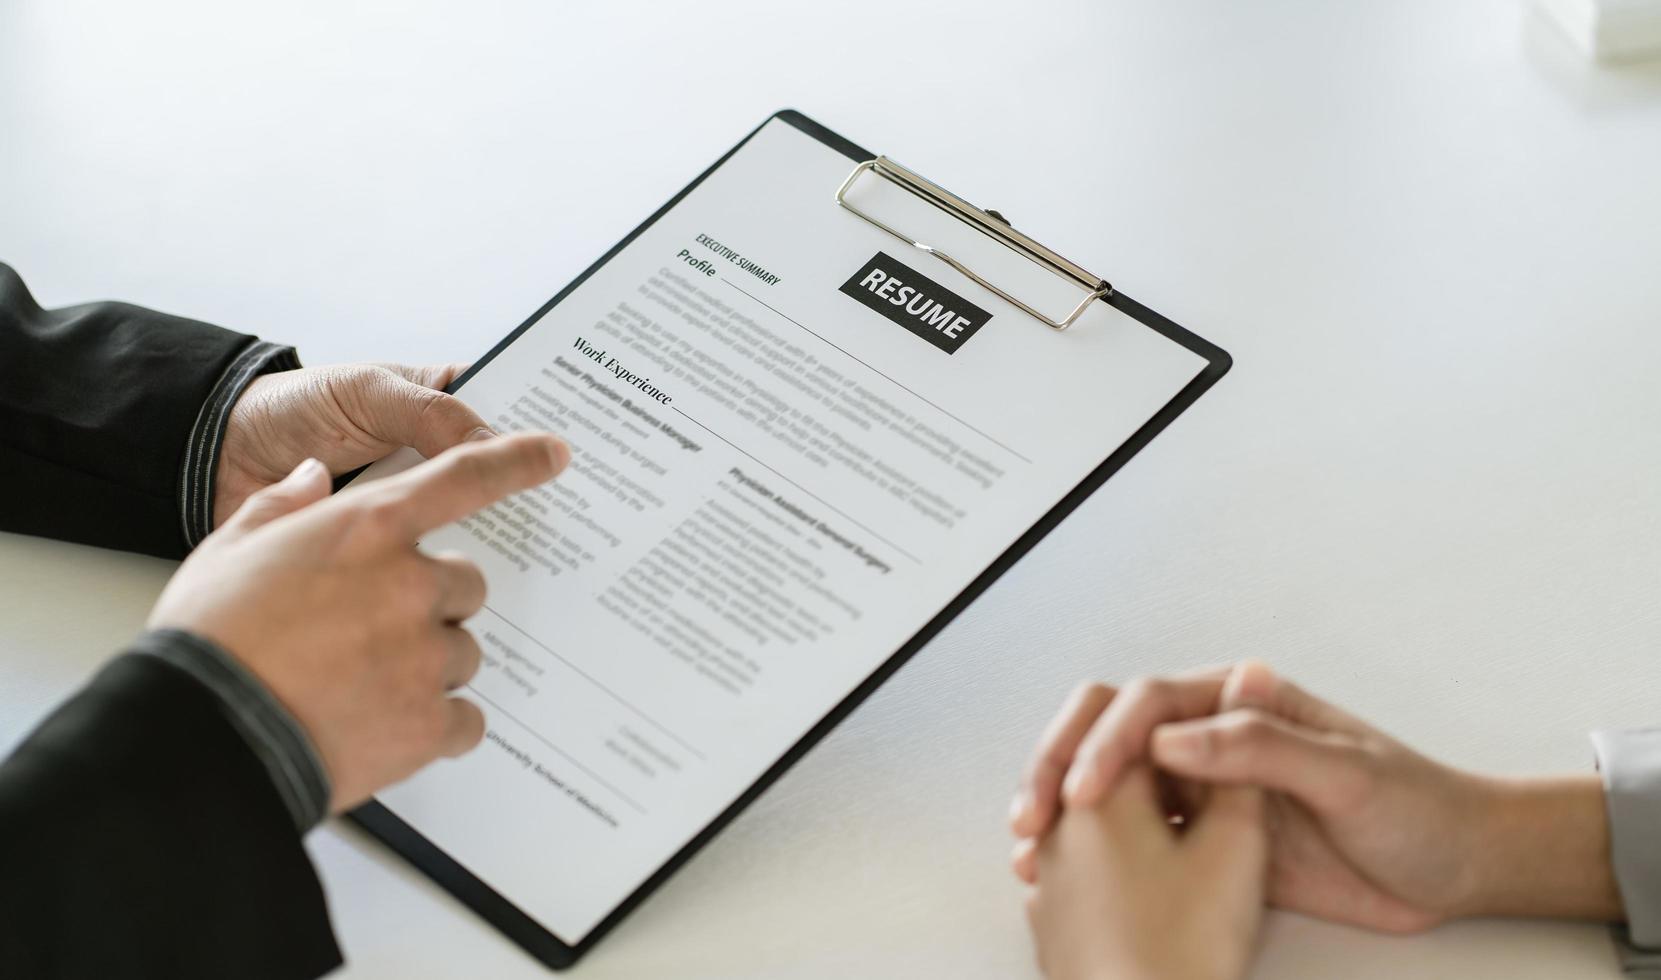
(140, 837)
(109, 420)
(141, 832)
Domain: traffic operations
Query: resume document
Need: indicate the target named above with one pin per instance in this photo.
(794, 441)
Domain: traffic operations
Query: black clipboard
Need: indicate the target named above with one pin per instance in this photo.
(496, 909)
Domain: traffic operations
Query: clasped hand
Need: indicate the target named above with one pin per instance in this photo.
(1337, 820)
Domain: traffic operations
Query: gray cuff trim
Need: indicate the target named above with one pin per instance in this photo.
(196, 476)
(1635, 961)
(279, 742)
(1631, 767)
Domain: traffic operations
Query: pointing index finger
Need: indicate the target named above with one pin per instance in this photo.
(470, 477)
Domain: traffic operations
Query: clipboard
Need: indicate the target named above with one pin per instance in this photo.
(498, 909)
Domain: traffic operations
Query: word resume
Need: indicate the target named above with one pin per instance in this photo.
(794, 441)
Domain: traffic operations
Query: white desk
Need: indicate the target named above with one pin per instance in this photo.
(1429, 236)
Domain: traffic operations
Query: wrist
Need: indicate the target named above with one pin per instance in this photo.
(1543, 850)
(199, 503)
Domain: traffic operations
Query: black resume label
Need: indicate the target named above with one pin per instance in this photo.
(916, 302)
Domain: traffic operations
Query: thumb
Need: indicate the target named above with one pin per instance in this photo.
(406, 413)
(436, 376)
(1252, 746)
(306, 484)
(1251, 684)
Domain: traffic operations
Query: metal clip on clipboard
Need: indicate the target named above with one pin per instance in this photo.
(987, 222)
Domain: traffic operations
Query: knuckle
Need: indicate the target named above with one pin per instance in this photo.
(433, 722)
(533, 456)
(435, 661)
(464, 586)
(434, 401)
(1209, 741)
(470, 646)
(474, 727)
(428, 402)
(411, 575)
(368, 375)
(383, 514)
(1353, 785)
(1271, 685)
(266, 493)
(1087, 692)
(414, 586)
(261, 502)
(1246, 729)
(469, 463)
(441, 644)
(1049, 764)
(469, 572)
(1154, 691)
(358, 386)
(410, 680)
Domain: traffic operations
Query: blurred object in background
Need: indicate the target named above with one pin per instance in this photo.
(1609, 30)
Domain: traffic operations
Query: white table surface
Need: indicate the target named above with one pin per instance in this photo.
(1430, 236)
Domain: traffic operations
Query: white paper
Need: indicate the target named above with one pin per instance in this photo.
(665, 622)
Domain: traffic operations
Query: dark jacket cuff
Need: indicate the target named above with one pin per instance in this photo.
(140, 837)
(277, 739)
(198, 473)
(98, 404)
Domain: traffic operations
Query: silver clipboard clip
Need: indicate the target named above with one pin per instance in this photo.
(987, 222)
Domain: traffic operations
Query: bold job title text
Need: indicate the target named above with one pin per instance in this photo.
(623, 374)
(853, 547)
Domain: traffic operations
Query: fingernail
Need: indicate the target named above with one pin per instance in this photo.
(558, 450)
(480, 434)
(1017, 808)
(310, 469)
